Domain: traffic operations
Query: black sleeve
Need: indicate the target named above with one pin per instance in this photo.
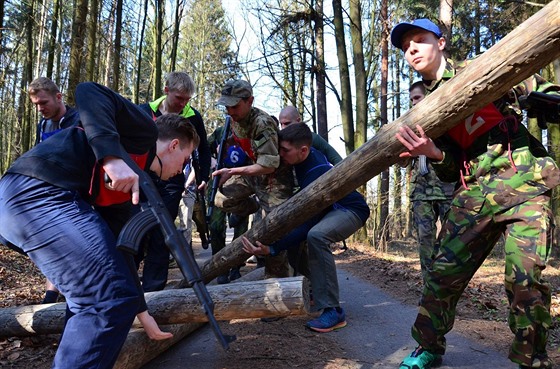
(204, 155)
(110, 120)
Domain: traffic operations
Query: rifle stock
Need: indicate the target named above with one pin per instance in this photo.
(544, 107)
(154, 213)
(219, 165)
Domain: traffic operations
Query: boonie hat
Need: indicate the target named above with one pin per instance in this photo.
(400, 29)
(233, 91)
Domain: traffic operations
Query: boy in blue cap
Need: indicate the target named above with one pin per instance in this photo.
(506, 178)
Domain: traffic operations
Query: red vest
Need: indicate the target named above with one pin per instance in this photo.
(107, 197)
(474, 126)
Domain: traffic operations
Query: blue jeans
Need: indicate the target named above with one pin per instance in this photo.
(75, 249)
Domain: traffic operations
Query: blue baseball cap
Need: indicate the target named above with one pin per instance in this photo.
(400, 29)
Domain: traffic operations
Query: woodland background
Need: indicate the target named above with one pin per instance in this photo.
(130, 45)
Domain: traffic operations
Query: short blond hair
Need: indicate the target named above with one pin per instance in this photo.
(180, 81)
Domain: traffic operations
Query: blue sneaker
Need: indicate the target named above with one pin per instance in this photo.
(329, 320)
(420, 359)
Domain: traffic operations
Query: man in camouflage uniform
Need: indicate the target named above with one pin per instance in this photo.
(506, 177)
(256, 134)
(430, 196)
(218, 220)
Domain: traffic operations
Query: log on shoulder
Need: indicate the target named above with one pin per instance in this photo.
(243, 300)
(532, 45)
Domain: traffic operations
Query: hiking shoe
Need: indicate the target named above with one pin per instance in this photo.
(234, 274)
(539, 361)
(329, 320)
(223, 279)
(420, 359)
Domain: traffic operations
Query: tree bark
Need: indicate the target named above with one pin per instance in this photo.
(384, 235)
(158, 34)
(243, 300)
(117, 46)
(345, 102)
(52, 38)
(139, 349)
(321, 119)
(532, 45)
(76, 48)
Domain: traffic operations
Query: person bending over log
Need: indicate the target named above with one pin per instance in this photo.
(46, 210)
(335, 223)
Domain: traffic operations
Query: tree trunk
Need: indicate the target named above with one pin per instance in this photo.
(27, 127)
(243, 300)
(532, 45)
(384, 181)
(345, 102)
(158, 34)
(140, 47)
(117, 45)
(76, 48)
(40, 28)
(446, 18)
(360, 76)
(175, 38)
(52, 39)
(321, 119)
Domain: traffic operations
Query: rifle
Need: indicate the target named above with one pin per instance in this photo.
(219, 165)
(154, 213)
(544, 107)
(201, 199)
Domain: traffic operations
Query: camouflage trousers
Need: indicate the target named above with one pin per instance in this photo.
(218, 229)
(425, 214)
(467, 237)
(235, 196)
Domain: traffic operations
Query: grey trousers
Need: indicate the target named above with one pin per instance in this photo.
(335, 226)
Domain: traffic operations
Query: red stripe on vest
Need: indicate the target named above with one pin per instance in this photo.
(474, 126)
(245, 144)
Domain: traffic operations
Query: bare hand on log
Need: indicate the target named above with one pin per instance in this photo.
(152, 328)
(417, 144)
(224, 173)
(258, 249)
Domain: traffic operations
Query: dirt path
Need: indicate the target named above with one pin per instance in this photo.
(378, 291)
(377, 336)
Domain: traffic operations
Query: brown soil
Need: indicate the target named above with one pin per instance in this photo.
(397, 273)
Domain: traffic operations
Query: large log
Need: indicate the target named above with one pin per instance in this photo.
(532, 45)
(132, 358)
(244, 300)
(138, 349)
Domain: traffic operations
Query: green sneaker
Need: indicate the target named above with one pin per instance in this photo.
(420, 359)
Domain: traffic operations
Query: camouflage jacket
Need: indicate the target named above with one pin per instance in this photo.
(428, 187)
(505, 166)
(262, 130)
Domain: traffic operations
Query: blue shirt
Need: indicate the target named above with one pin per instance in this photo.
(314, 166)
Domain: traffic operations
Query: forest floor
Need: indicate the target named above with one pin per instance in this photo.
(482, 310)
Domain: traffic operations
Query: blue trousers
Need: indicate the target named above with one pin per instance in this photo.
(76, 250)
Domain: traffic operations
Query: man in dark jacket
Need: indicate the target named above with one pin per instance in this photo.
(179, 89)
(46, 200)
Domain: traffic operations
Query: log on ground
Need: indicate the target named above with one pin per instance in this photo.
(139, 349)
(243, 300)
